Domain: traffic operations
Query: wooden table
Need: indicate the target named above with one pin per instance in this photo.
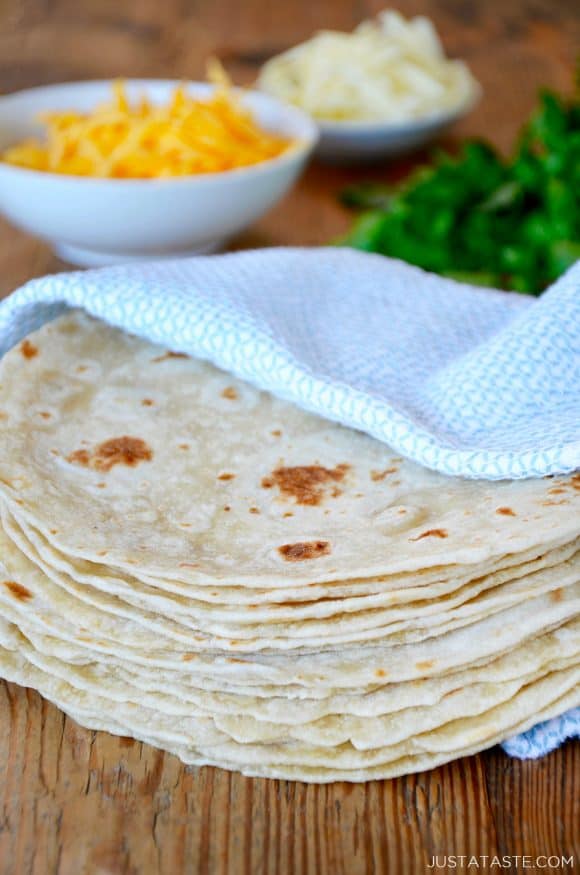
(75, 802)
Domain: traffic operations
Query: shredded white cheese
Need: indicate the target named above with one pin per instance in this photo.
(391, 69)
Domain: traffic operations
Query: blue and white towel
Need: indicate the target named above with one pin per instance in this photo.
(467, 381)
(544, 737)
(470, 382)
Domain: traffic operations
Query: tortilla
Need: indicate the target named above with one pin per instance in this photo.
(120, 452)
(418, 620)
(191, 562)
(191, 736)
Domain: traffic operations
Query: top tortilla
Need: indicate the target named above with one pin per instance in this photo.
(120, 452)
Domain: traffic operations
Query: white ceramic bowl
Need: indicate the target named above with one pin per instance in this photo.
(352, 141)
(102, 221)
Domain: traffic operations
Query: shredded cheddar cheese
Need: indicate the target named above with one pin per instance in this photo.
(121, 140)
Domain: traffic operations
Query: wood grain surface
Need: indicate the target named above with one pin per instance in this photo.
(75, 802)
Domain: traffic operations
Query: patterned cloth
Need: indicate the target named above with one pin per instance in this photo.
(469, 382)
(544, 737)
(466, 381)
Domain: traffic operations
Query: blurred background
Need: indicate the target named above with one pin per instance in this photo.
(512, 46)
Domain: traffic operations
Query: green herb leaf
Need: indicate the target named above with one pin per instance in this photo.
(514, 223)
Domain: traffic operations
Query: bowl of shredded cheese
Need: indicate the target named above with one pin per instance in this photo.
(144, 169)
(382, 90)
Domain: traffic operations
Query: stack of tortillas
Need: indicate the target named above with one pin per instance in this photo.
(201, 566)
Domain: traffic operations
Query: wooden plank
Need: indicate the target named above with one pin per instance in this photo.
(73, 801)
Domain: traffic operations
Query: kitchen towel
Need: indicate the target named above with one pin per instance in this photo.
(544, 737)
(466, 381)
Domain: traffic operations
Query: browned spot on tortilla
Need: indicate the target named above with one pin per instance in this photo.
(380, 673)
(306, 484)
(505, 511)
(187, 657)
(424, 665)
(557, 595)
(101, 485)
(254, 510)
(183, 446)
(227, 508)
(125, 450)
(304, 550)
(226, 476)
(45, 414)
(276, 432)
(189, 565)
(402, 510)
(380, 475)
(79, 457)
(552, 502)
(557, 490)
(28, 349)
(81, 369)
(575, 482)
(55, 453)
(186, 525)
(230, 393)
(102, 552)
(233, 659)
(148, 402)
(170, 355)
(431, 533)
(18, 591)
(288, 513)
